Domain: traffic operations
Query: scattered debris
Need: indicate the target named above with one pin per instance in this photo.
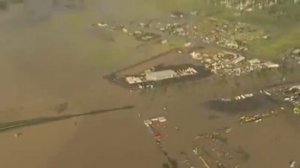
(237, 98)
(247, 119)
(186, 161)
(188, 44)
(265, 37)
(293, 164)
(297, 110)
(177, 14)
(256, 118)
(62, 107)
(156, 126)
(17, 135)
(228, 130)
(232, 35)
(102, 24)
(164, 41)
(293, 56)
(194, 13)
(296, 51)
(125, 30)
(253, 5)
(179, 51)
(263, 102)
(213, 150)
(229, 63)
(288, 93)
(145, 36)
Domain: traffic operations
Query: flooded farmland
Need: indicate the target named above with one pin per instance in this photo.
(58, 110)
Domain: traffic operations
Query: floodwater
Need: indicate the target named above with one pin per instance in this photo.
(52, 63)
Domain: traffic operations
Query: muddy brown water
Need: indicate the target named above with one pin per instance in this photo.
(50, 53)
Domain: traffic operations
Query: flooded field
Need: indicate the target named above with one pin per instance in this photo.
(57, 109)
(251, 104)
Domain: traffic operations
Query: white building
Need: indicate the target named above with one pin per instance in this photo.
(160, 75)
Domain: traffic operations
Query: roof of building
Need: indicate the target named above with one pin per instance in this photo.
(160, 75)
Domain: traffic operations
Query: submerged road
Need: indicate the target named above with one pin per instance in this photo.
(43, 120)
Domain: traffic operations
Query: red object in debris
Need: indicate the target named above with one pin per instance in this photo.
(157, 137)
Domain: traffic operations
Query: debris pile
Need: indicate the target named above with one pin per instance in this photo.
(145, 36)
(177, 14)
(237, 98)
(256, 118)
(177, 29)
(264, 103)
(234, 35)
(231, 35)
(213, 150)
(252, 5)
(288, 93)
(292, 95)
(211, 30)
(137, 34)
(229, 63)
(156, 127)
(297, 110)
(186, 161)
(293, 164)
(293, 56)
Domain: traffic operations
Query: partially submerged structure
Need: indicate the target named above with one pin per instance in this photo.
(213, 150)
(293, 57)
(156, 127)
(230, 63)
(161, 74)
(287, 93)
(157, 75)
(253, 5)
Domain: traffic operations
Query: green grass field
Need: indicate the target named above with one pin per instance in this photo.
(284, 30)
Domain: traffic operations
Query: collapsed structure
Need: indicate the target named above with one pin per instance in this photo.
(252, 5)
(156, 127)
(290, 94)
(229, 63)
(213, 150)
(293, 56)
(231, 35)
